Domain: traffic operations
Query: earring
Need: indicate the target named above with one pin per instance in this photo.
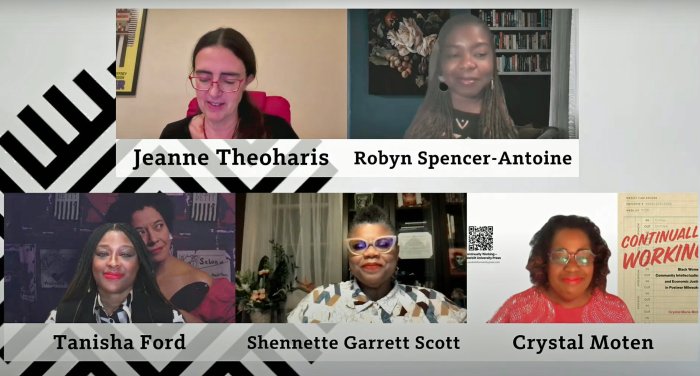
(492, 84)
(442, 86)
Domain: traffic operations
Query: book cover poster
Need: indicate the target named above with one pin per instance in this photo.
(658, 253)
(130, 28)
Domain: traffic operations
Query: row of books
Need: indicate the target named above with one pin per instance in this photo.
(516, 17)
(514, 41)
(524, 63)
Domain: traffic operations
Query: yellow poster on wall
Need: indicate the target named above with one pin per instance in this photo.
(130, 27)
(658, 256)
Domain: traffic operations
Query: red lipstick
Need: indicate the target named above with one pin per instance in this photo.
(109, 275)
(572, 280)
(371, 267)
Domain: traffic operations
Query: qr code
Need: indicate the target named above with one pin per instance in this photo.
(480, 238)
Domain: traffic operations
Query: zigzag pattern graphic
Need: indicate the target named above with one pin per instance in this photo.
(66, 155)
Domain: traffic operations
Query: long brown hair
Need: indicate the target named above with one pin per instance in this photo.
(434, 117)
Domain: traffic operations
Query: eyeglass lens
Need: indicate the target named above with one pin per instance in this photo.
(583, 257)
(206, 82)
(383, 244)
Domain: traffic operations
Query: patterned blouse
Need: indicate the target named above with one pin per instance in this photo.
(345, 302)
(532, 306)
(120, 315)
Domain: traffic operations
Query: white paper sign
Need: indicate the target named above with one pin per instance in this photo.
(216, 263)
(415, 245)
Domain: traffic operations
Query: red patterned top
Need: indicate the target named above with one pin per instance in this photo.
(532, 306)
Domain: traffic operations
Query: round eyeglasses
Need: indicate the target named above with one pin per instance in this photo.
(205, 83)
(383, 244)
(583, 257)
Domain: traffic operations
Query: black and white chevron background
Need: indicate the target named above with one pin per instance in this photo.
(95, 142)
(63, 140)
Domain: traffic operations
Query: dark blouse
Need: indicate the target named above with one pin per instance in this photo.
(466, 125)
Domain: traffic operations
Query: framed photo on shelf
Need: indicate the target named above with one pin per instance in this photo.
(362, 200)
(458, 261)
(406, 200)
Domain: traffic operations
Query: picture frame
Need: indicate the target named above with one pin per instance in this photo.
(363, 200)
(130, 27)
(458, 261)
(407, 200)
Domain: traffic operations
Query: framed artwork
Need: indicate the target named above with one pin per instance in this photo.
(400, 43)
(130, 28)
(57, 267)
(362, 200)
(458, 261)
(405, 200)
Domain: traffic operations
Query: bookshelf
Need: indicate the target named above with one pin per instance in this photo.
(415, 215)
(523, 39)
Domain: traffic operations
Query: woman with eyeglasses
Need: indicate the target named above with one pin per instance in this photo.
(223, 65)
(568, 266)
(373, 295)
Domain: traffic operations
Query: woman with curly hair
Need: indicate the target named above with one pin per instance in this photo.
(568, 267)
(465, 98)
(374, 295)
(190, 290)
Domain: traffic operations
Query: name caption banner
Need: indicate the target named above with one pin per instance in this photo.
(344, 342)
(348, 158)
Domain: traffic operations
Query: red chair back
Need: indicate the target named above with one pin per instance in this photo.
(271, 105)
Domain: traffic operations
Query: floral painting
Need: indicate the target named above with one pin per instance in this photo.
(400, 44)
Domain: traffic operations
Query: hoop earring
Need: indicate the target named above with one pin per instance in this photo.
(492, 84)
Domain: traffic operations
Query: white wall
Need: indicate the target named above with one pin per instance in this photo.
(301, 55)
(515, 218)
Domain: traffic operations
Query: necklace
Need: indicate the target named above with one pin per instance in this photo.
(204, 127)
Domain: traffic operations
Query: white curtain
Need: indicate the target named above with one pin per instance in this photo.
(573, 78)
(308, 225)
(562, 75)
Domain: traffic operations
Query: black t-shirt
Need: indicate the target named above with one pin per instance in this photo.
(466, 125)
(279, 129)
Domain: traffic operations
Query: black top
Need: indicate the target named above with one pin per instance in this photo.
(466, 125)
(144, 309)
(279, 129)
(190, 296)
